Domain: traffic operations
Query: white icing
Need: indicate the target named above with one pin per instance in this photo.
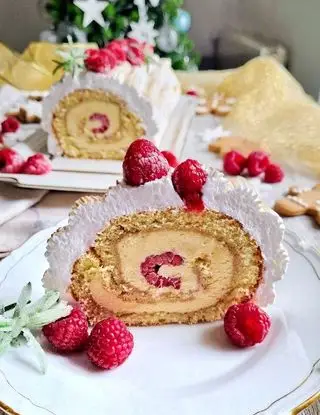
(318, 202)
(238, 201)
(298, 201)
(88, 80)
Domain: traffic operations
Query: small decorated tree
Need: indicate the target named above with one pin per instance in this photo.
(159, 22)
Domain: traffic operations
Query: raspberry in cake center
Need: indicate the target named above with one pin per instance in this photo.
(101, 123)
(154, 267)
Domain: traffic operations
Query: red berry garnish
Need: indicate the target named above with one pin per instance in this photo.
(192, 93)
(99, 60)
(234, 163)
(189, 178)
(38, 164)
(110, 343)
(171, 158)
(143, 163)
(246, 324)
(69, 333)
(118, 51)
(135, 55)
(10, 161)
(273, 174)
(257, 163)
(10, 125)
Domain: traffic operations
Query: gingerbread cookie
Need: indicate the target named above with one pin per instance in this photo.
(223, 145)
(30, 113)
(300, 202)
(221, 105)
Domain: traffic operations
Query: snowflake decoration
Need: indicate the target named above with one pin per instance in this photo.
(143, 31)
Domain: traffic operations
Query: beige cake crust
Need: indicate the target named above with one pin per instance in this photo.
(84, 145)
(99, 270)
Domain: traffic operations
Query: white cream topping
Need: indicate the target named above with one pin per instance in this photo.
(238, 201)
(89, 80)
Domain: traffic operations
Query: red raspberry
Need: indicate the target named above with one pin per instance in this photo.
(192, 93)
(136, 55)
(273, 174)
(10, 125)
(38, 164)
(103, 120)
(257, 163)
(150, 268)
(10, 161)
(246, 324)
(1, 138)
(189, 178)
(171, 158)
(110, 343)
(99, 60)
(69, 333)
(143, 163)
(234, 163)
(118, 50)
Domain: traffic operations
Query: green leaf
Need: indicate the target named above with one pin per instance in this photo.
(18, 341)
(60, 310)
(33, 343)
(6, 325)
(44, 303)
(23, 299)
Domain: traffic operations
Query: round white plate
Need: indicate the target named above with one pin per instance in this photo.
(175, 369)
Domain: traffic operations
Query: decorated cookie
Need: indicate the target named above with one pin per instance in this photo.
(221, 105)
(225, 144)
(300, 202)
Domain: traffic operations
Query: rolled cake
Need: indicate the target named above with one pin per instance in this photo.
(138, 253)
(96, 114)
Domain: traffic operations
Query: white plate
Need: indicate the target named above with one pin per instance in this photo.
(175, 369)
(96, 175)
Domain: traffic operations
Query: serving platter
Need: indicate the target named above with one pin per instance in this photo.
(176, 369)
(95, 176)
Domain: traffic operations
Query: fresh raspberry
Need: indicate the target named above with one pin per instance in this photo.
(118, 50)
(38, 164)
(151, 266)
(136, 55)
(104, 123)
(188, 180)
(1, 138)
(192, 93)
(69, 333)
(110, 343)
(143, 163)
(10, 125)
(234, 163)
(246, 324)
(10, 161)
(99, 60)
(273, 174)
(171, 158)
(257, 163)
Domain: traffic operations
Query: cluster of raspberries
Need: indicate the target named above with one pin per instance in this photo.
(115, 53)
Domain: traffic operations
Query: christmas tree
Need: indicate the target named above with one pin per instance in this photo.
(160, 22)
